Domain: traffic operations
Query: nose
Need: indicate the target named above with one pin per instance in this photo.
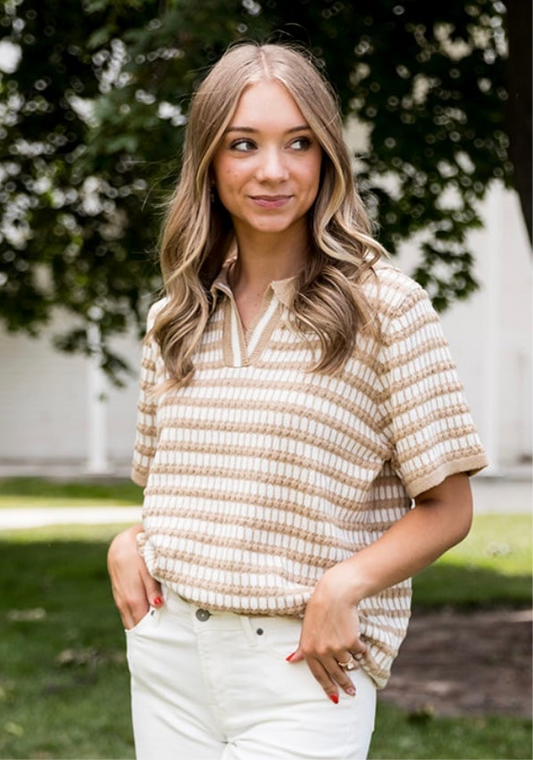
(272, 166)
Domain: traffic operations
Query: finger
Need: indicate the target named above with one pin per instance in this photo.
(154, 594)
(359, 651)
(134, 612)
(127, 620)
(139, 600)
(341, 675)
(322, 676)
(296, 656)
(123, 609)
(132, 603)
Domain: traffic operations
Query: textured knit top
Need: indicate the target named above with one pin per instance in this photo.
(259, 474)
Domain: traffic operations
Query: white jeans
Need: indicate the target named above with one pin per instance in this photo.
(217, 687)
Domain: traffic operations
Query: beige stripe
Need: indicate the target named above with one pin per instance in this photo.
(336, 398)
(401, 616)
(354, 510)
(266, 550)
(433, 345)
(249, 604)
(271, 479)
(432, 418)
(376, 447)
(317, 518)
(340, 471)
(148, 364)
(145, 451)
(448, 453)
(407, 330)
(445, 388)
(262, 591)
(307, 438)
(381, 646)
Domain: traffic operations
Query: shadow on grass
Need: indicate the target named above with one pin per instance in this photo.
(469, 588)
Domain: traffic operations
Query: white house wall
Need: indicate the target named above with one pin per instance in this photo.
(44, 403)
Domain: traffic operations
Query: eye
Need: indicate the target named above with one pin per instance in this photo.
(301, 143)
(242, 145)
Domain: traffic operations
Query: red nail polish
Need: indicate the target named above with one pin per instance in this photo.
(157, 601)
(334, 698)
(289, 658)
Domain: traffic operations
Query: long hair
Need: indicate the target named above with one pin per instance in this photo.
(198, 234)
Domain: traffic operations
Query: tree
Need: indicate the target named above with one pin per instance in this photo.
(519, 86)
(91, 122)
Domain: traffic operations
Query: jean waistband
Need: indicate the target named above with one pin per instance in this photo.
(222, 620)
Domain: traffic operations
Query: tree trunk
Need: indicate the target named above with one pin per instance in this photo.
(519, 126)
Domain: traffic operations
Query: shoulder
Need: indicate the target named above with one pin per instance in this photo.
(154, 310)
(390, 292)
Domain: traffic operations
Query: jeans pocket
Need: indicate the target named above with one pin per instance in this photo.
(142, 623)
(278, 636)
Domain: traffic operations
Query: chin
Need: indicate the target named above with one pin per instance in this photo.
(272, 225)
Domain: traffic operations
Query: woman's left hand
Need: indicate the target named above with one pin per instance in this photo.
(330, 633)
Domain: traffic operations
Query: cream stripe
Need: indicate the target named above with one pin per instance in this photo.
(261, 325)
(236, 338)
(297, 522)
(241, 553)
(354, 517)
(341, 469)
(199, 476)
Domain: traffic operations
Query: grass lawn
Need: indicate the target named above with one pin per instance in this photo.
(63, 676)
(491, 566)
(400, 736)
(39, 492)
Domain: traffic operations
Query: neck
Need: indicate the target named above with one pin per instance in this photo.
(264, 258)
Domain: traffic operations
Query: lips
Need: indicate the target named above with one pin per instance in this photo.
(270, 201)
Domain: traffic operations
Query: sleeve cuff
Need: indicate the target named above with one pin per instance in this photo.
(469, 465)
(140, 477)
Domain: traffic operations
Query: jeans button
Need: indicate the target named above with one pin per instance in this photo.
(203, 615)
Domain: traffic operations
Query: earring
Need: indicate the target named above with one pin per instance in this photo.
(212, 192)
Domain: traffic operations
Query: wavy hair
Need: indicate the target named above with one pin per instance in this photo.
(198, 234)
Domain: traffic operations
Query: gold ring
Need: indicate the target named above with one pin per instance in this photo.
(350, 665)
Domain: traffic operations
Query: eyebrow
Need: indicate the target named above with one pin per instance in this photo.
(251, 130)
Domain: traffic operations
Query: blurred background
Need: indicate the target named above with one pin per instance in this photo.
(436, 98)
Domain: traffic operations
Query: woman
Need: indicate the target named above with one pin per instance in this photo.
(296, 396)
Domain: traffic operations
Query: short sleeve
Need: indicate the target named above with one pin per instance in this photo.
(146, 430)
(427, 419)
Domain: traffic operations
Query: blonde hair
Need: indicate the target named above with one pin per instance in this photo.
(198, 234)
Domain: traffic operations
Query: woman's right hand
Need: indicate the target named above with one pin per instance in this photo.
(134, 589)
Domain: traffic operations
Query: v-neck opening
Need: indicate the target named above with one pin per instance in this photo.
(243, 347)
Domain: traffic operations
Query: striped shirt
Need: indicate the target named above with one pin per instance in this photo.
(259, 475)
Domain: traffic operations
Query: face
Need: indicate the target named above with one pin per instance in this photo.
(267, 169)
